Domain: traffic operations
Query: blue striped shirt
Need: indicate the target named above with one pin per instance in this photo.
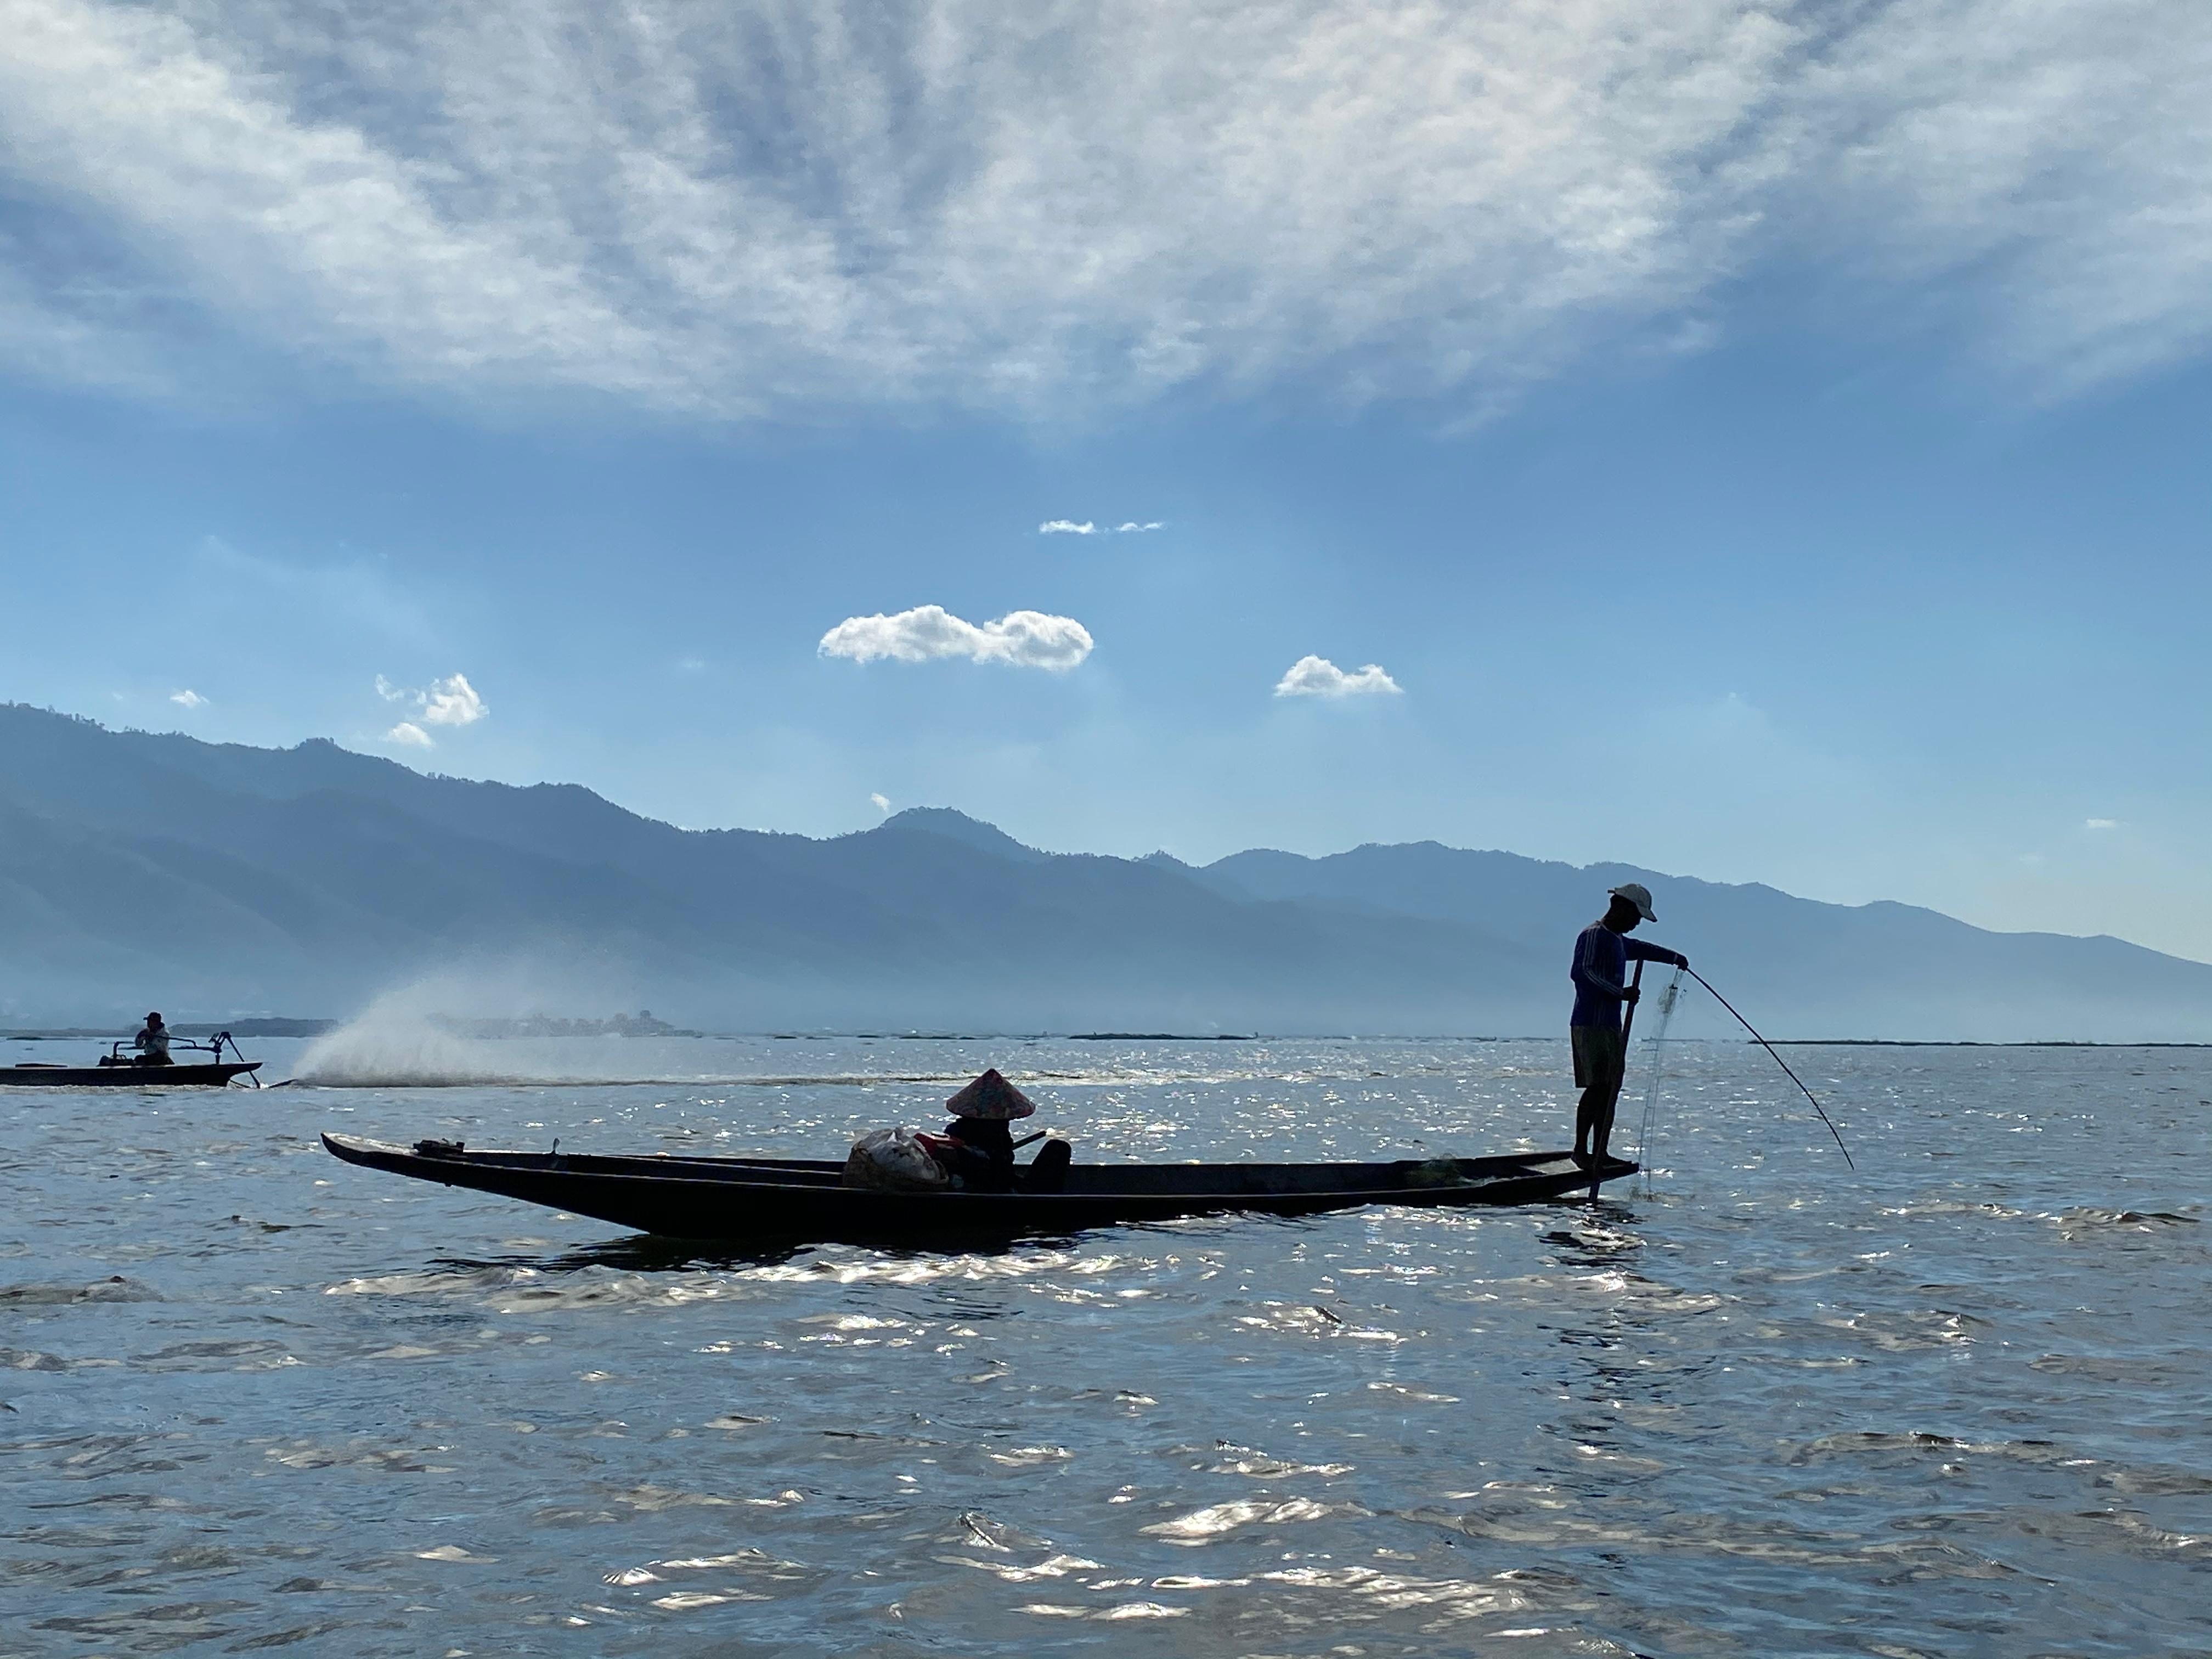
(1601, 972)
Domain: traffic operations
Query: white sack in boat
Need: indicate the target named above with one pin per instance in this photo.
(893, 1160)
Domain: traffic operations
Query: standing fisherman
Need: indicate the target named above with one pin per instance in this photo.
(1602, 953)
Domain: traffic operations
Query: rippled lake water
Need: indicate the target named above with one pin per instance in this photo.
(1955, 1403)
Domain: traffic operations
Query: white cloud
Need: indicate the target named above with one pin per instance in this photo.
(1085, 527)
(449, 702)
(881, 803)
(741, 209)
(2035, 174)
(58, 327)
(1317, 677)
(188, 698)
(2101, 823)
(1022, 638)
(453, 701)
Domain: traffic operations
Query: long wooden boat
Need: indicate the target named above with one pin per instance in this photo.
(774, 1199)
(44, 1074)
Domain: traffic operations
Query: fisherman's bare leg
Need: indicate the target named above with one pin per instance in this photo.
(1601, 1126)
(1594, 1112)
(1595, 1100)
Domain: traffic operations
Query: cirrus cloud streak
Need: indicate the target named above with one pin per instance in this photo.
(743, 209)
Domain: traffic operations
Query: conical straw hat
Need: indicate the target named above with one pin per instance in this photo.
(991, 1096)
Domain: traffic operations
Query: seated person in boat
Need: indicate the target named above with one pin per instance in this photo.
(981, 1146)
(152, 1042)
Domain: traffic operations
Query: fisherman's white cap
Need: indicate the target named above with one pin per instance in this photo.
(1637, 895)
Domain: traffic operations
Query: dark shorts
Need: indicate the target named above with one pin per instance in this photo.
(1600, 1055)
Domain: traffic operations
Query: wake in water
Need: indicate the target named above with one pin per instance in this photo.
(390, 1049)
(419, 1036)
(478, 1028)
(438, 1033)
(383, 1047)
(406, 1039)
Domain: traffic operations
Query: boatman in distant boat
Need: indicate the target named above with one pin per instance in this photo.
(152, 1042)
(1602, 953)
(979, 1148)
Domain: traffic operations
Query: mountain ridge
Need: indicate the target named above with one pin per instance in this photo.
(227, 880)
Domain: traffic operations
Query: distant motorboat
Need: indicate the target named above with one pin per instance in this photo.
(791, 1199)
(117, 1070)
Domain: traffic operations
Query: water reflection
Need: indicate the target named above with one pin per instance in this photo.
(647, 1253)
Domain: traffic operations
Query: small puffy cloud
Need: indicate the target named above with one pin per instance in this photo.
(453, 701)
(449, 702)
(1020, 639)
(2101, 823)
(1317, 677)
(1132, 528)
(881, 803)
(188, 698)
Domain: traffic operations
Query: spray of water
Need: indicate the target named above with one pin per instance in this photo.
(417, 1034)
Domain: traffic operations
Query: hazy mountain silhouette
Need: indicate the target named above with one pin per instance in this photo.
(1874, 969)
(138, 870)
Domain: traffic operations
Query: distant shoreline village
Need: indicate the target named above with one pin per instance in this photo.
(640, 1023)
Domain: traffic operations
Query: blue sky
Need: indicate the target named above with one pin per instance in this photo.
(1763, 442)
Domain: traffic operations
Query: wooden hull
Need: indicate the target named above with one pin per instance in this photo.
(35, 1076)
(788, 1199)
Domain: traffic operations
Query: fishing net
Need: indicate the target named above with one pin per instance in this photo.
(1669, 995)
